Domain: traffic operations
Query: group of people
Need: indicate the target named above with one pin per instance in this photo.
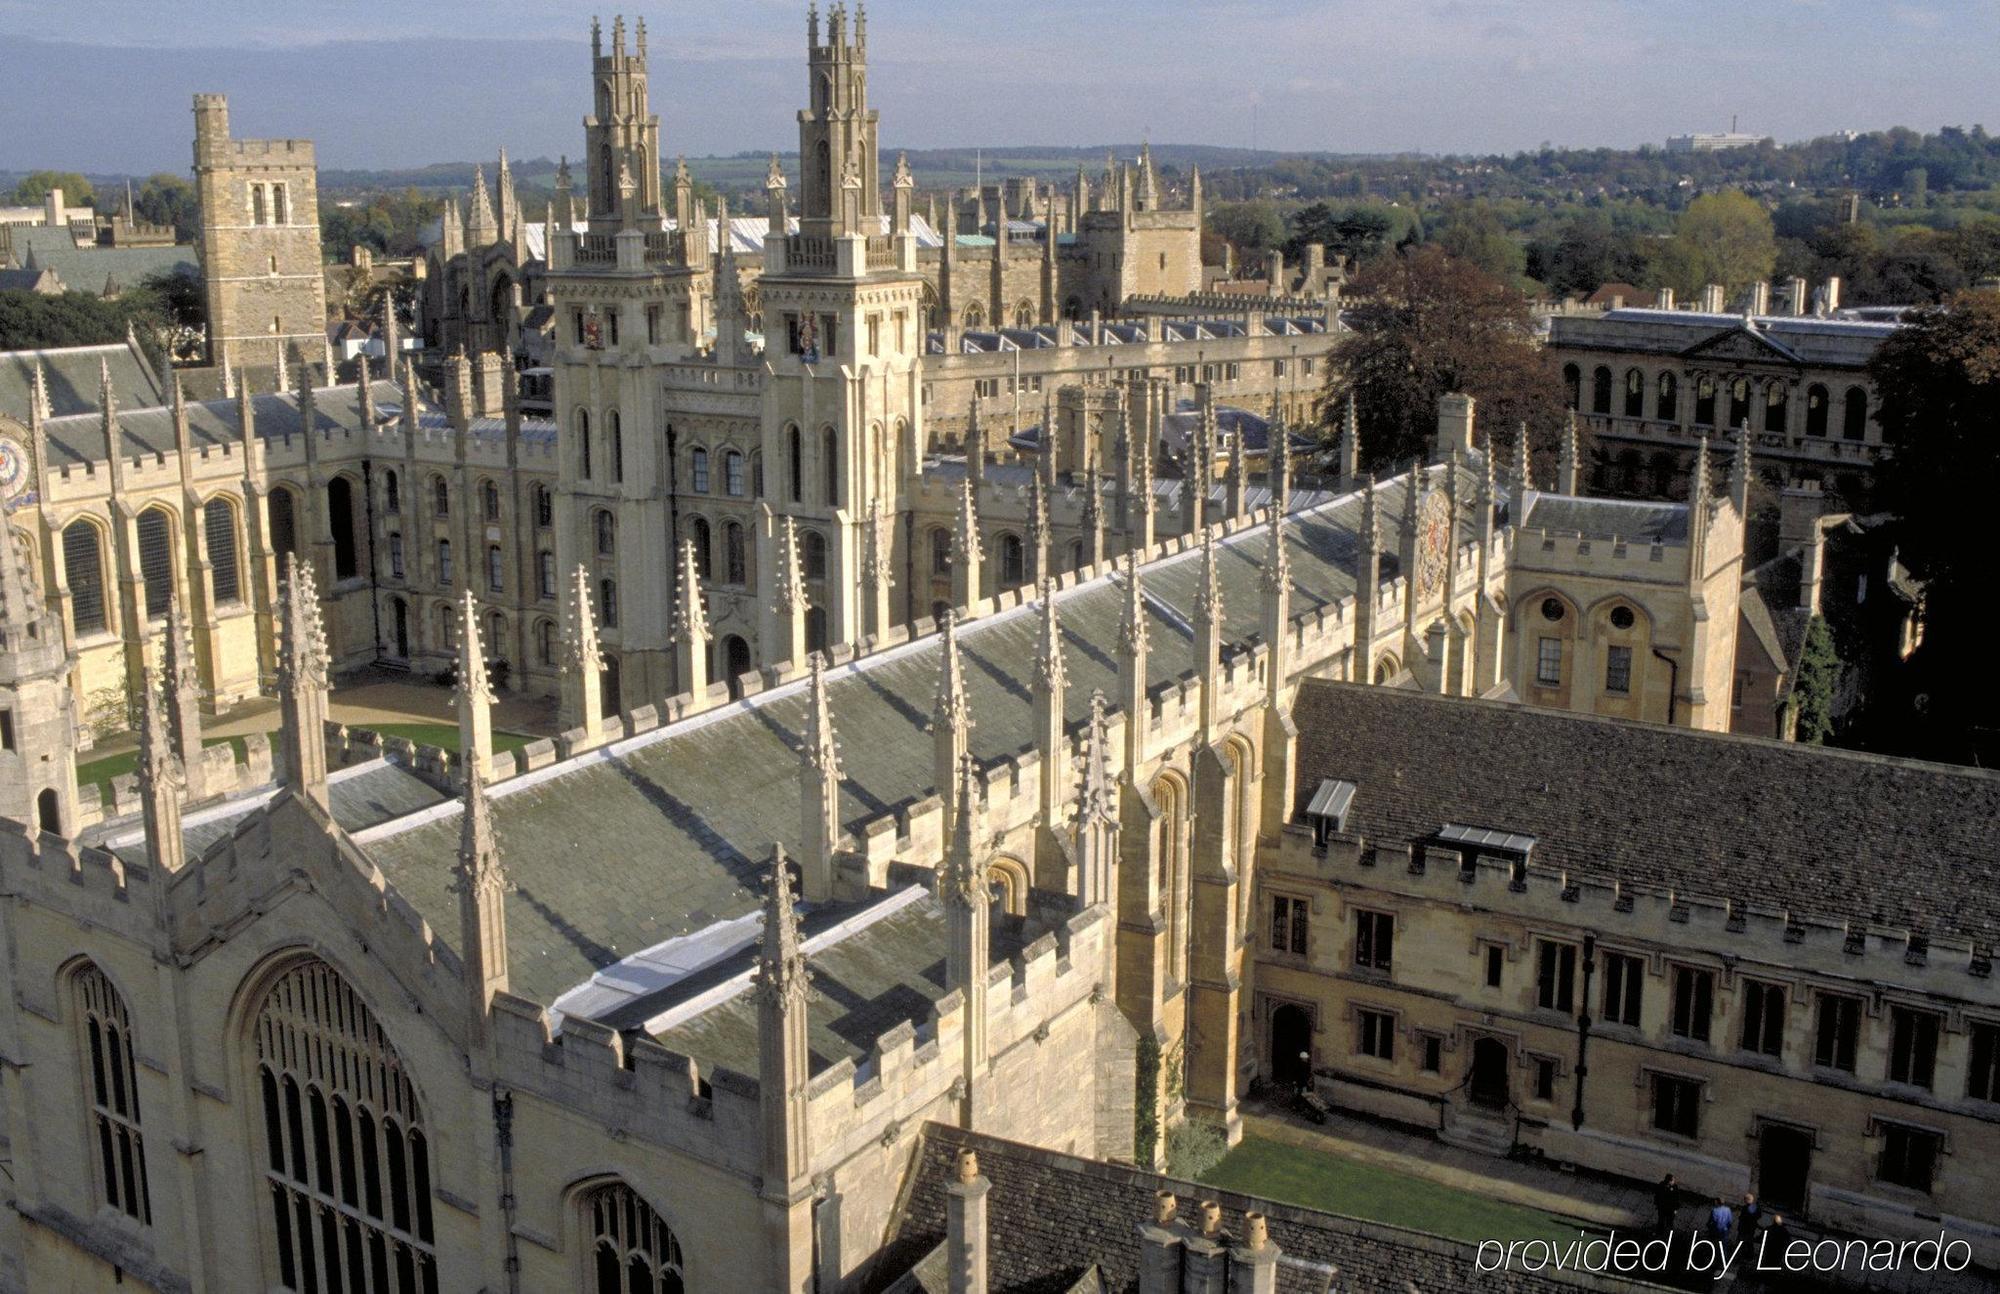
(1721, 1221)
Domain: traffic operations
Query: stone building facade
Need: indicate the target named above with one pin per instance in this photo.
(543, 1020)
(1779, 983)
(260, 252)
(1649, 384)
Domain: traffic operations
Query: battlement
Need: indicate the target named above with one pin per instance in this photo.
(1683, 920)
(1614, 558)
(630, 1084)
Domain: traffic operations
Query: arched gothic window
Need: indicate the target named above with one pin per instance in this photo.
(83, 569)
(631, 1250)
(111, 1085)
(814, 544)
(346, 1161)
(830, 465)
(607, 603)
(440, 497)
(736, 562)
(156, 561)
(489, 496)
(1600, 390)
(732, 474)
(698, 471)
(698, 532)
(545, 507)
(392, 492)
(1635, 393)
(583, 443)
(283, 514)
(1666, 399)
(617, 447)
(796, 456)
(1013, 561)
(607, 534)
(218, 519)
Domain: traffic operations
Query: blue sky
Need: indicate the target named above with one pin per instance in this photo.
(104, 85)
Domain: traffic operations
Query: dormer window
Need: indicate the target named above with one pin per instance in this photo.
(1474, 843)
(1326, 812)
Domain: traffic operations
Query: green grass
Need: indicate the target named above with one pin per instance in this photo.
(444, 736)
(1319, 1180)
(100, 772)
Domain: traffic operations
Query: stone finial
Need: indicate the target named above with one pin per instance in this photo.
(948, 707)
(1524, 472)
(1132, 625)
(1739, 470)
(159, 768)
(781, 961)
(1050, 670)
(39, 407)
(964, 878)
(690, 616)
(1208, 597)
(821, 748)
(792, 598)
(1277, 572)
(302, 660)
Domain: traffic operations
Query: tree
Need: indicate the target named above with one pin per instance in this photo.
(34, 186)
(1813, 689)
(1939, 382)
(1426, 325)
(1253, 228)
(1472, 232)
(1721, 238)
(166, 199)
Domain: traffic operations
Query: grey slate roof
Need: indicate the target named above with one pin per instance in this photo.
(862, 986)
(1828, 833)
(1051, 1218)
(72, 374)
(359, 798)
(79, 438)
(1636, 521)
(1831, 343)
(618, 851)
(94, 269)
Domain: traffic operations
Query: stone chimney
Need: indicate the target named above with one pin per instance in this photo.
(1160, 1247)
(1205, 1256)
(1664, 299)
(1795, 289)
(1253, 1263)
(965, 1227)
(1454, 425)
(1799, 511)
(1760, 298)
(1712, 298)
(1832, 293)
(1812, 571)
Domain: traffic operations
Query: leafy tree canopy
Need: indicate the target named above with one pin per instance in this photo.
(77, 191)
(1426, 325)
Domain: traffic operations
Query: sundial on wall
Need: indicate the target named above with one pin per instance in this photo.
(14, 474)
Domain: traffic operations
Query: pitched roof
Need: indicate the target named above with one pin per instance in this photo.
(708, 797)
(79, 438)
(1052, 1218)
(73, 374)
(93, 269)
(1633, 520)
(1833, 343)
(1829, 833)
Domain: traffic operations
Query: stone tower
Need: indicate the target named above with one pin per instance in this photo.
(260, 250)
(621, 136)
(842, 309)
(37, 712)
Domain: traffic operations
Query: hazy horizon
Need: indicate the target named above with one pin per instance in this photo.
(98, 88)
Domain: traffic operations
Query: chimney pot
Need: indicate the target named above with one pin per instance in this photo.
(1211, 1218)
(1165, 1206)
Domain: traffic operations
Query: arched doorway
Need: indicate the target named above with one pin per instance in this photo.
(48, 810)
(735, 664)
(1488, 1084)
(1291, 1046)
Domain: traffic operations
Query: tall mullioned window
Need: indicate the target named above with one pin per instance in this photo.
(631, 1250)
(111, 1083)
(347, 1171)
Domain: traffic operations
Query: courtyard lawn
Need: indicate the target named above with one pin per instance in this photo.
(1334, 1184)
(100, 772)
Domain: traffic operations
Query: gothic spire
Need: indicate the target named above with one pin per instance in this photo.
(1050, 671)
(583, 660)
(966, 551)
(1524, 472)
(951, 715)
(1739, 471)
(819, 774)
(302, 682)
(1350, 440)
(1132, 625)
(781, 961)
(162, 779)
(474, 692)
(480, 226)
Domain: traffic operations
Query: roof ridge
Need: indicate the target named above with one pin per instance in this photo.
(1791, 749)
